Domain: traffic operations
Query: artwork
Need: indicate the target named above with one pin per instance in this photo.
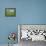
(10, 12)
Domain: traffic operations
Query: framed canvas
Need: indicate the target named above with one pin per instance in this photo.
(10, 12)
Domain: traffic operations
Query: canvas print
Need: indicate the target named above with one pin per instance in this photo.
(10, 12)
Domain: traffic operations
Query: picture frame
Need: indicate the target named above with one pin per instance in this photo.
(10, 12)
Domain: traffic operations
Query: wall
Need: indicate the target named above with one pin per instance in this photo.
(27, 12)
